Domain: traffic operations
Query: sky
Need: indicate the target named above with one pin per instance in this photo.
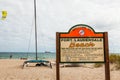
(17, 31)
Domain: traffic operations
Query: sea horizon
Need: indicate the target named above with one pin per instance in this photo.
(28, 55)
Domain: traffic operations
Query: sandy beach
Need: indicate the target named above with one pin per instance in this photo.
(11, 69)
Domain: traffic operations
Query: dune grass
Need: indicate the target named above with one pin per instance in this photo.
(97, 65)
(115, 59)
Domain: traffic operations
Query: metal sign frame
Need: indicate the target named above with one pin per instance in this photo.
(82, 31)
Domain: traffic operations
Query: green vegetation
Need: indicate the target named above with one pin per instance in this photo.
(97, 65)
(115, 59)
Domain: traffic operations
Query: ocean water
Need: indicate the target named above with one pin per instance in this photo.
(30, 55)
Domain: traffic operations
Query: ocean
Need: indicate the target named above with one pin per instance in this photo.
(30, 55)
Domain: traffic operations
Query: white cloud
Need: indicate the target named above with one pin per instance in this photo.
(56, 16)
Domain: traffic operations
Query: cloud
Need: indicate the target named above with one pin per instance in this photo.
(56, 16)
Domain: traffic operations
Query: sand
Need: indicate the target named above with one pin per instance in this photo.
(11, 69)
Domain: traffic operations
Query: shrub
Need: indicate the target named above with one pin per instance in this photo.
(97, 65)
(118, 62)
(115, 59)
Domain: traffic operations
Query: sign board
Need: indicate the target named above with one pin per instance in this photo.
(81, 50)
(81, 44)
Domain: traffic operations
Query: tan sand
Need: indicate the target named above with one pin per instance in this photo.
(12, 70)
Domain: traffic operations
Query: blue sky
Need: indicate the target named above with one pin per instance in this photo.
(56, 16)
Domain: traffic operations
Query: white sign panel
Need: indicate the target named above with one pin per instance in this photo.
(82, 49)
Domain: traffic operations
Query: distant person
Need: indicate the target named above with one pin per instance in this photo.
(11, 56)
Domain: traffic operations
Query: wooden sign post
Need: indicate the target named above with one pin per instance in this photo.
(82, 45)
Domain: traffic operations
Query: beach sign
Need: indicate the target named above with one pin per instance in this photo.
(81, 44)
